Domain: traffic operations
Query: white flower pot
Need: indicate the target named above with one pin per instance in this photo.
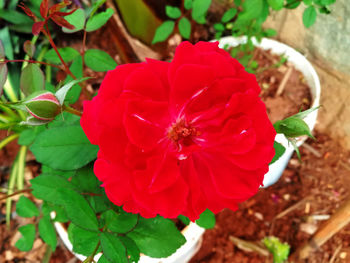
(305, 67)
(193, 234)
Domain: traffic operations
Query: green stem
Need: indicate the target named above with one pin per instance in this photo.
(8, 139)
(47, 255)
(72, 110)
(12, 181)
(90, 258)
(21, 166)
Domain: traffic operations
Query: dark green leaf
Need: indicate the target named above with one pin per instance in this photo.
(99, 60)
(292, 4)
(97, 21)
(219, 27)
(188, 4)
(172, 11)
(228, 15)
(25, 243)
(77, 69)
(15, 17)
(84, 242)
(78, 209)
(64, 148)
(77, 19)
(185, 28)
(47, 232)
(157, 237)
(113, 249)
(270, 32)
(131, 248)
(206, 219)
(66, 174)
(276, 4)
(251, 10)
(26, 208)
(5, 37)
(327, 2)
(324, 10)
(279, 151)
(68, 54)
(163, 31)
(184, 219)
(199, 9)
(45, 187)
(86, 181)
(292, 127)
(119, 222)
(99, 203)
(309, 16)
(32, 79)
(103, 259)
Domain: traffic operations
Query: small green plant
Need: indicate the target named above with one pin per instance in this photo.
(279, 250)
(198, 10)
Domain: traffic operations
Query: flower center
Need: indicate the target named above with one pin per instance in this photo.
(182, 134)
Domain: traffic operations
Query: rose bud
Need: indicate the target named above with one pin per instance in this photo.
(43, 105)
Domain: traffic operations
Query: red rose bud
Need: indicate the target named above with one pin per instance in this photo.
(43, 106)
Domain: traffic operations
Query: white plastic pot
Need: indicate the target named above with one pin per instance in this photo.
(193, 234)
(305, 67)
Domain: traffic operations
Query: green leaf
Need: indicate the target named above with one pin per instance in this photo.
(47, 232)
(6, 41)
(270, 32)
(119, 222)
(292, 127)
(86, 181)
(77, 69)
(78, 209)
(99, 203)
(97, 21)
(184, 219)
(3, 75)
(276, 4)
(307, 2)
(206, 219)
(229, 15)
(157, 237)
(28, 136)
(279, 151)
(99, 60)
(77, 19)
(219, 27)
(172, 11)
(309, 16)
(113, 248)
(279, 250)
(25, 243)
(303, 114)
(67, 53)
(163, 31)
(32, 79)
(185, 28)
(103, 259)
(188, 4)
(62, 92)
(199, 10)
(45, 187)
(26, 208)
(131, 248)
(292, 4)
(251, 10)
(84, 242)
(327, 2)
(64, 148)
(15, 17)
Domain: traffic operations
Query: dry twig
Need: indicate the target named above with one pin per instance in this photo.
(284, 81)
(249, 246)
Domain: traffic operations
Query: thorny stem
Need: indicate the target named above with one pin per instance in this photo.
(16, 193)
(90, 258)
(83, 46)
(72, 110)
(31, 61)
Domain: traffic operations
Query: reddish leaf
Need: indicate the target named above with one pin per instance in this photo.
(37, 26)
(57, 7)
(27, 11)
(65, 13)
(62, 22)
(29, 48)
(44, 8)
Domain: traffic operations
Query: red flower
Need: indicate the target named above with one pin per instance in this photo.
(177, 138)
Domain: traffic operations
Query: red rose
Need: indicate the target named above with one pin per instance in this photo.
(177, 138)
